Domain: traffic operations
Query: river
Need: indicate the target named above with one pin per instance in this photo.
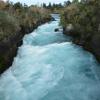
(48, 66)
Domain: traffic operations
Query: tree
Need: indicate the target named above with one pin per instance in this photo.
(44, 5)
(18, 5)
(67, 3)
(76, 1)
(49, 6)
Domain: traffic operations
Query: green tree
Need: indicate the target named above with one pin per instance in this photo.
(44, 5)
(75, 1)
(18, 5)
(67, 3)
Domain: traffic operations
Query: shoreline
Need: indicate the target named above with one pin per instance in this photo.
(92, 45)
(9, 46)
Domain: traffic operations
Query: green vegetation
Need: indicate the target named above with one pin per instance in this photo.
(16, 20)
(15, 16)
(84, 17)
(79, 18)
(8, 25)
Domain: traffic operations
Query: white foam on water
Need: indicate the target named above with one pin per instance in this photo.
(49, 68)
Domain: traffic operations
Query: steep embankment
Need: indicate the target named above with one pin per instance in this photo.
(16, 20)
(91, 43)
(48, 66)
(81, 20)
(9, 46)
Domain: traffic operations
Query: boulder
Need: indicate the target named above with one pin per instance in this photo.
(68, 29)
(57, 29)
(53, 19)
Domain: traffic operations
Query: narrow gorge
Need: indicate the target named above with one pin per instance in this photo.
(48, 66)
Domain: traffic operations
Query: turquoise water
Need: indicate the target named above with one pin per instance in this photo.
(48, 66)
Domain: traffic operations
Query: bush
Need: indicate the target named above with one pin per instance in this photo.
(8, 25)
(84, 16)
(15, 16)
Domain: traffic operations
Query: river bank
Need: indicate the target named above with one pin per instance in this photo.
(16, 20)
(89, 43)
(81, 20)
(9, 46)
(48, 66)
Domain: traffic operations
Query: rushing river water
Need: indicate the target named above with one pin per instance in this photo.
(49, 67)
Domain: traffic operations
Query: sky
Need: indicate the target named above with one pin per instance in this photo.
(38, 2)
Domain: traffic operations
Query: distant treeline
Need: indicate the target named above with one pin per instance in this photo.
(56, 7)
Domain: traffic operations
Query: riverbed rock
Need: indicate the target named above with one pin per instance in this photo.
(53, 19)
(68, 29)
(56, 30)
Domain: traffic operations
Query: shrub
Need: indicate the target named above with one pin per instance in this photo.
(83, 15)
(8, 25)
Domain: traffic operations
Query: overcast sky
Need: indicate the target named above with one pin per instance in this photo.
(30, 2)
